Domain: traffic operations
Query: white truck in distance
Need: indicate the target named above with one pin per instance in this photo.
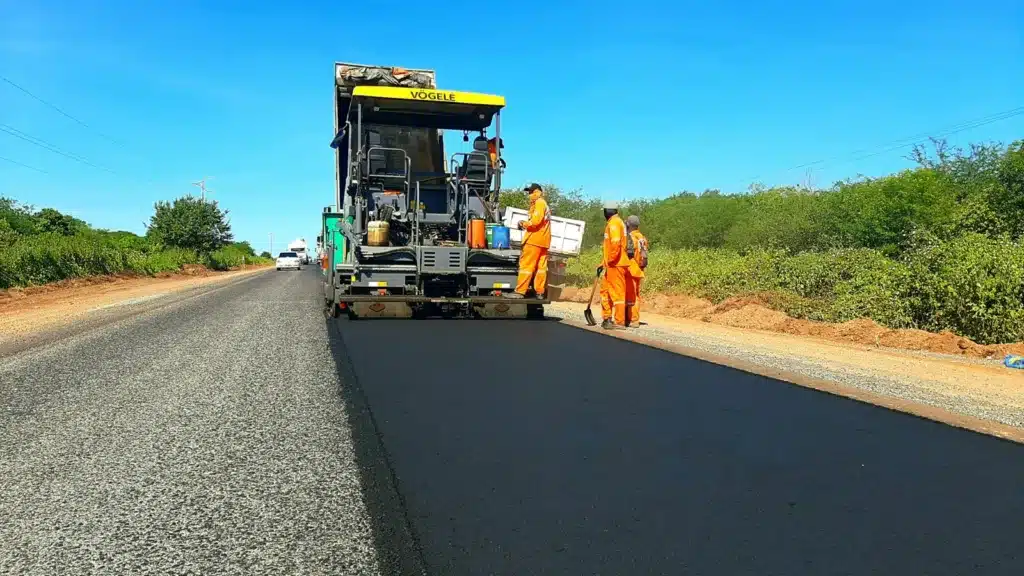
(300, 248)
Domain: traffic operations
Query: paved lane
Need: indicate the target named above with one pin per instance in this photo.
(207, 437)
(536, 448)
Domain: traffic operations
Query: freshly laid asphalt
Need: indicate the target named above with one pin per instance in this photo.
(539, 448)
(240, 431)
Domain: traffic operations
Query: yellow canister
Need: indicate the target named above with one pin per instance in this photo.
(377, 233)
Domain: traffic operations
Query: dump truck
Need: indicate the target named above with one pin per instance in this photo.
(400, 238)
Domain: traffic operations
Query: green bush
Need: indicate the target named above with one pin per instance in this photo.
(46, 258)
(38, 247)
(972, 285)
(233, 256)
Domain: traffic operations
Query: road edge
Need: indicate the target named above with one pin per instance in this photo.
(902, 405)
(106, 316)
(398, 548)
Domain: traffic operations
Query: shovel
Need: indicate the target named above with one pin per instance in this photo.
(587, 313)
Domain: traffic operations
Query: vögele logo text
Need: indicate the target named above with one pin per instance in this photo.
(439, 96)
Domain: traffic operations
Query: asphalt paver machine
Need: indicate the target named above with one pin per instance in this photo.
(398, 240)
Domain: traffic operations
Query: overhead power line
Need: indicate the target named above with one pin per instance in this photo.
(952, 130)
(905, 141)
(47, 146)
(55, 107)
(16, 163)
(43, 144)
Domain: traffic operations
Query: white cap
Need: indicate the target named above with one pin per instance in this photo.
(611, 205)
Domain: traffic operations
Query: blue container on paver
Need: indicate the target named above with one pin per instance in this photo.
(500, 238)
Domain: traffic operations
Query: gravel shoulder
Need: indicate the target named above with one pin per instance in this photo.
(977, 394)
(204, 437)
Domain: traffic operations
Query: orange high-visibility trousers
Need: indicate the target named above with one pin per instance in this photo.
(613, 294)
(633, 299)
(533, 263)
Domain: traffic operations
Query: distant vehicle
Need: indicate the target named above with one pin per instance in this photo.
(299, 247)
(289, 260)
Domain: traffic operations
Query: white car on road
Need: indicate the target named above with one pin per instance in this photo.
(289, 260)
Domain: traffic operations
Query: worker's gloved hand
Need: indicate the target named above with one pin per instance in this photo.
(521, 225)
(600, 270)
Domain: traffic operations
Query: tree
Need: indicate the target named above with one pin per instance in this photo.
(190, 223)
(7, 234)
(19, 217)
(265, 254)
(50, 220)
(245, 247)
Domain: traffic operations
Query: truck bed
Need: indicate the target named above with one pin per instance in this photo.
(566, 233)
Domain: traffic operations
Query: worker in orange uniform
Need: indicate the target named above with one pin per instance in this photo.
(492, 151)
(637, 266)
(615, 265)
(533, 260)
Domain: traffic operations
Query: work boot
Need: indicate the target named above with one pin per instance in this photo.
(608, 324)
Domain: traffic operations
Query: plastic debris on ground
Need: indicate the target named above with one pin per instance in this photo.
(1014, 361)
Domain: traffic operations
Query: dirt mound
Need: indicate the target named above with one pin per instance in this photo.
(18, 293)
(676, 305)
(754, 312)
(573, 294)
(751, 316)
(195, 270)
(749, 312)
(14, 295)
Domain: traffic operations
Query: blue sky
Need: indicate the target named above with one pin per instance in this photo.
(621, 99)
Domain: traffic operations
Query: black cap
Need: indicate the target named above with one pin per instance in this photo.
(533, 187)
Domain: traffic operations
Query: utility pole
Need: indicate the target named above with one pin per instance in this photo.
(271, 244)
(202, 187)
(808, 181)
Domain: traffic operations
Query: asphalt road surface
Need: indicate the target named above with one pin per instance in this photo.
(207, 437)
(240, 431)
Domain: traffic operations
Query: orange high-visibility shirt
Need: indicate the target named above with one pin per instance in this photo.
(492, 150)
(538, 226)
(615, 242)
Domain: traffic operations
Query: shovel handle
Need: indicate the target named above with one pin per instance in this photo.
(593, 290)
